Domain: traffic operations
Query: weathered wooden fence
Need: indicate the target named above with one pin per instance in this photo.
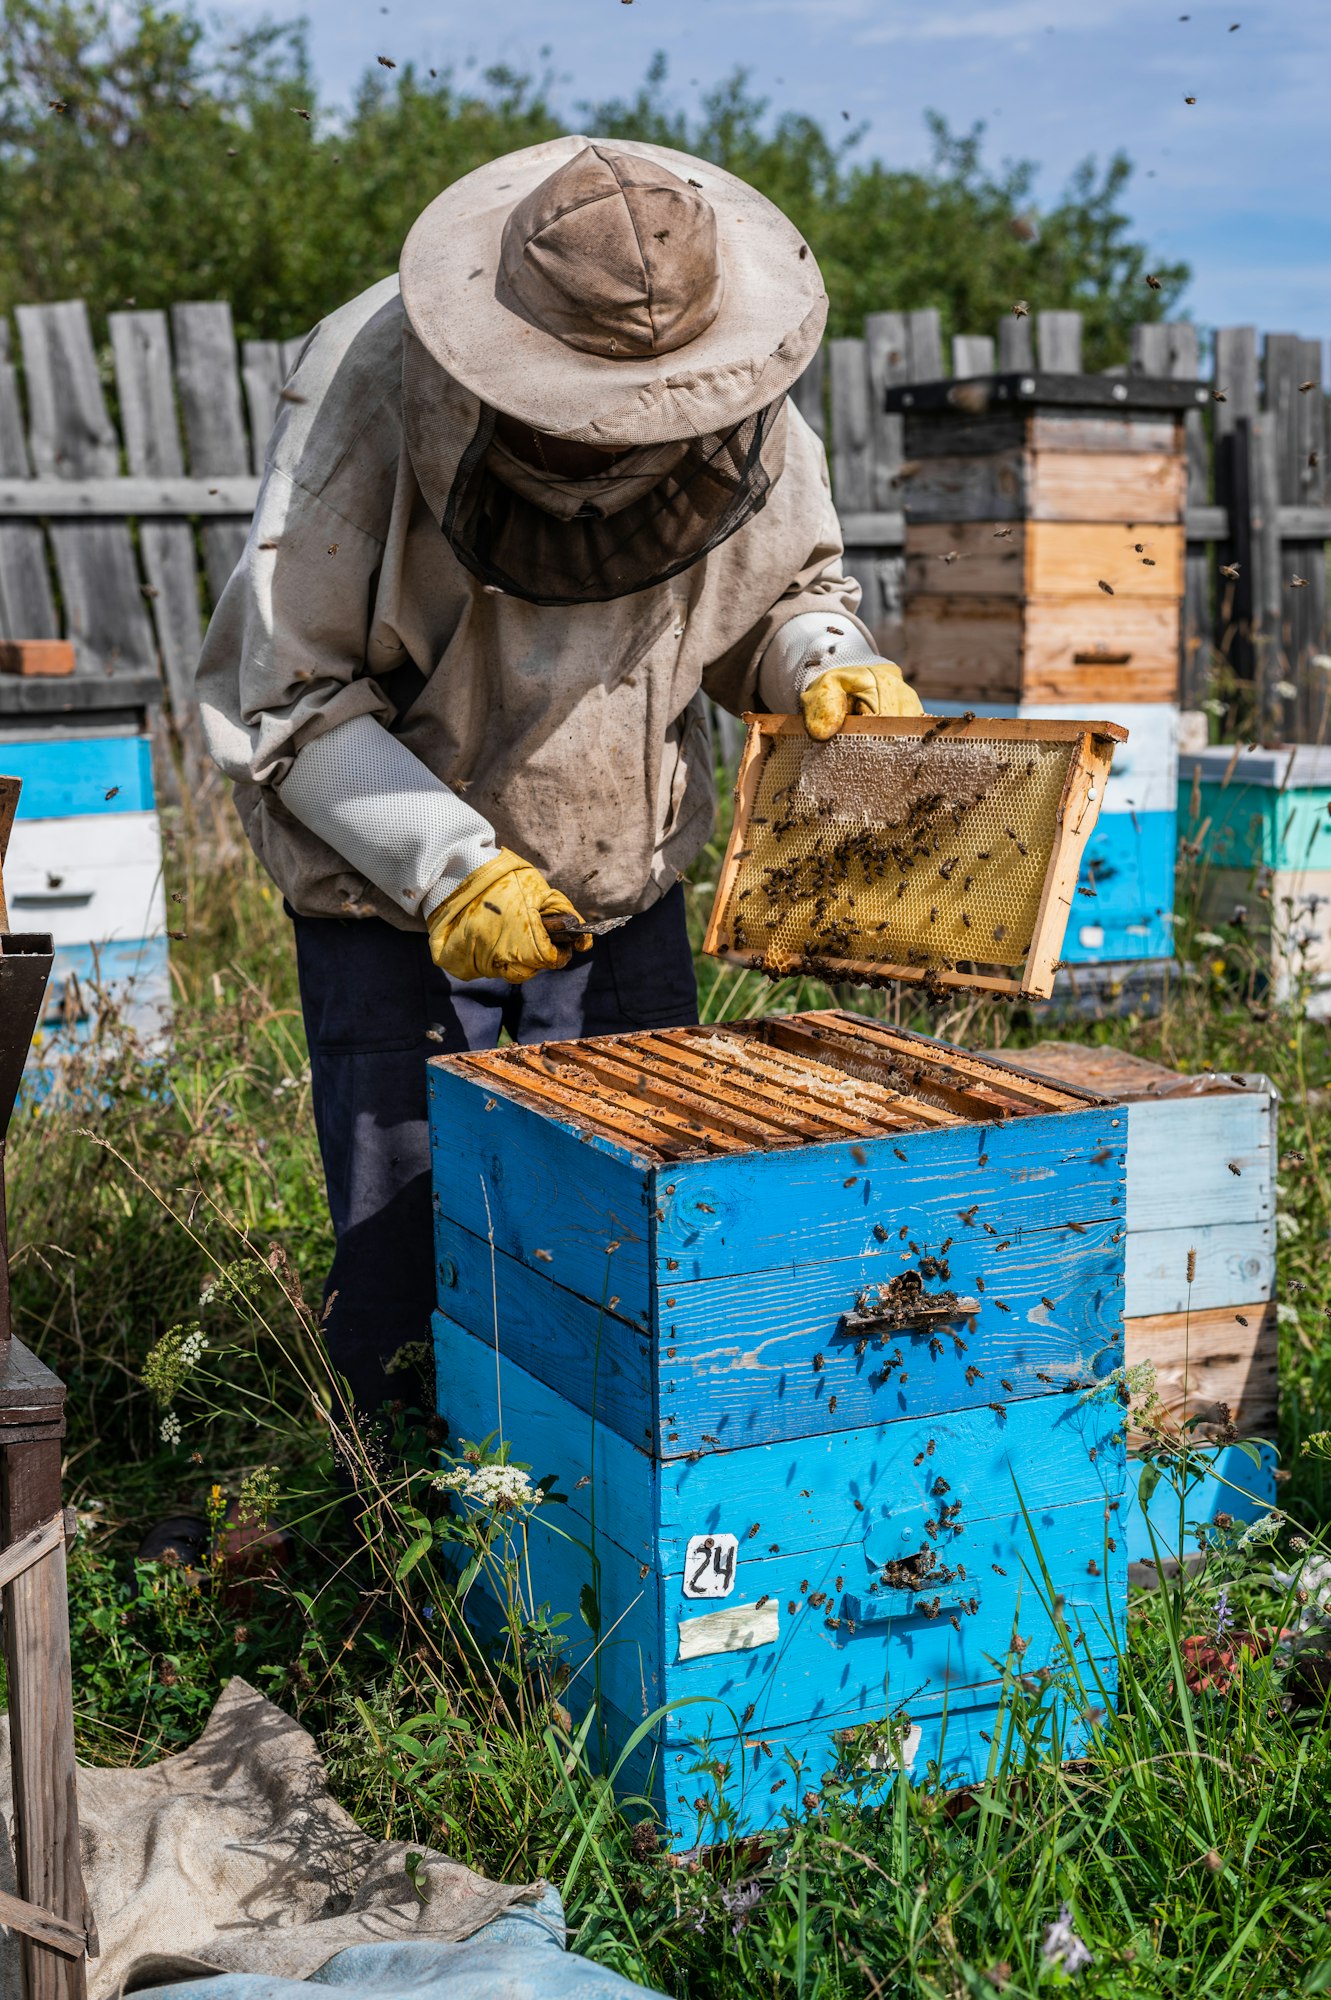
(128, 473)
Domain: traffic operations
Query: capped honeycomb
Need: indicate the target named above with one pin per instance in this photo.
(917, 854)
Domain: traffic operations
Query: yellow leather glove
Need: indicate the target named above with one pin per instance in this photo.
(490, 927)
(874, 689)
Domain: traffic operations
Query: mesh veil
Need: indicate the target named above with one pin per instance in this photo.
(716, 484)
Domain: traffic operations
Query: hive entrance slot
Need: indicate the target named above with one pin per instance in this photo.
(902, 1304)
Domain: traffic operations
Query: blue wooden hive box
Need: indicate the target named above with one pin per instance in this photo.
(809, 1323)
(85, 864)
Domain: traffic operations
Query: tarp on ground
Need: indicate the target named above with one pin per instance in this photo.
(233, 1857)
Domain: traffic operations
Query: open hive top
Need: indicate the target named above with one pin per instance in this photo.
(935, 849)
(756, 1086)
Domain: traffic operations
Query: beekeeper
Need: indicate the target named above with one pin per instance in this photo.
(527, 503)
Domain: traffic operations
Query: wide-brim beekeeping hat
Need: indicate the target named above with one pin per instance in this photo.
(613, 294)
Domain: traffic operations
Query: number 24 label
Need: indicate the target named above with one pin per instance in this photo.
(710, 1564)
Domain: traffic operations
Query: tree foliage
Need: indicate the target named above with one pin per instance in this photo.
(141, 158)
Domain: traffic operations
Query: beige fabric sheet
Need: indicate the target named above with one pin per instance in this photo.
(234, 1856)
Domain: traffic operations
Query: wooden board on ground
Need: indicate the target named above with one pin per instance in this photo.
(942, 852)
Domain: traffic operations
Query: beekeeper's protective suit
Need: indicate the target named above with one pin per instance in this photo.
(524, 507)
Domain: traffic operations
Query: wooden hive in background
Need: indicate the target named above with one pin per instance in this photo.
(797, 1314)
(1261, 821)
(1024, 497)
(1201, 1178)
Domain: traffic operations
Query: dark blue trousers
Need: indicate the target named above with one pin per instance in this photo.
(376, 1008)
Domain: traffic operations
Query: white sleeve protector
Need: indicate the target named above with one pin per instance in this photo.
(808, 645)
(377, 805)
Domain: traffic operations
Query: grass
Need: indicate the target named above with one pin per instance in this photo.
(169, 1229)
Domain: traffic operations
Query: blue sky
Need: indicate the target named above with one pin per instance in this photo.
(1238, 183)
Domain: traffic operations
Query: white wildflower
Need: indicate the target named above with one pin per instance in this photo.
(211, 1287)
(1260, 1530)
(1312, 1582)
(1286, 690)
(171, 1429)
(1287, 1315)
(1216, 707)
(1063, 1947)
(1211, 939)
(502, 1488)
(1287, 1227)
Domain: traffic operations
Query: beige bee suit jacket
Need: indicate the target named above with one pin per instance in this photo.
(579, 732)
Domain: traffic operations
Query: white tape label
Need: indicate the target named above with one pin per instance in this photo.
(735, 1628)
(710, 1563)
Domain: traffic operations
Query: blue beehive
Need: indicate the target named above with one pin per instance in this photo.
(809, 1320)
(85, 863)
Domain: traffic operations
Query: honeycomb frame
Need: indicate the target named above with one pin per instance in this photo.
(844, 896)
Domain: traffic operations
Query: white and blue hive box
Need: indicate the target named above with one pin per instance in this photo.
(812, 1323)
(1261, 820)
(1202, 1157)
(85, 864)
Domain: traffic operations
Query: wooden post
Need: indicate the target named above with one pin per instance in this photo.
(49, 1912)
(41, 1716)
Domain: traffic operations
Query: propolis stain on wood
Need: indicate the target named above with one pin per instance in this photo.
(812, 1325)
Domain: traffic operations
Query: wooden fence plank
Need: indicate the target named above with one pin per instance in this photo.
(924, 345)
(972, 354)
(1165, 348)
(27, 608)
(1058, 342)
(210, 401)
(144, 384)
(1016, 348)
(1268, 578)
(148, 499)
(807, 394)
(72, 437)
(877, 563)
(1197, 620)
(851, 430)
(1234, 406)
(1295, 413)
(262, 375)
